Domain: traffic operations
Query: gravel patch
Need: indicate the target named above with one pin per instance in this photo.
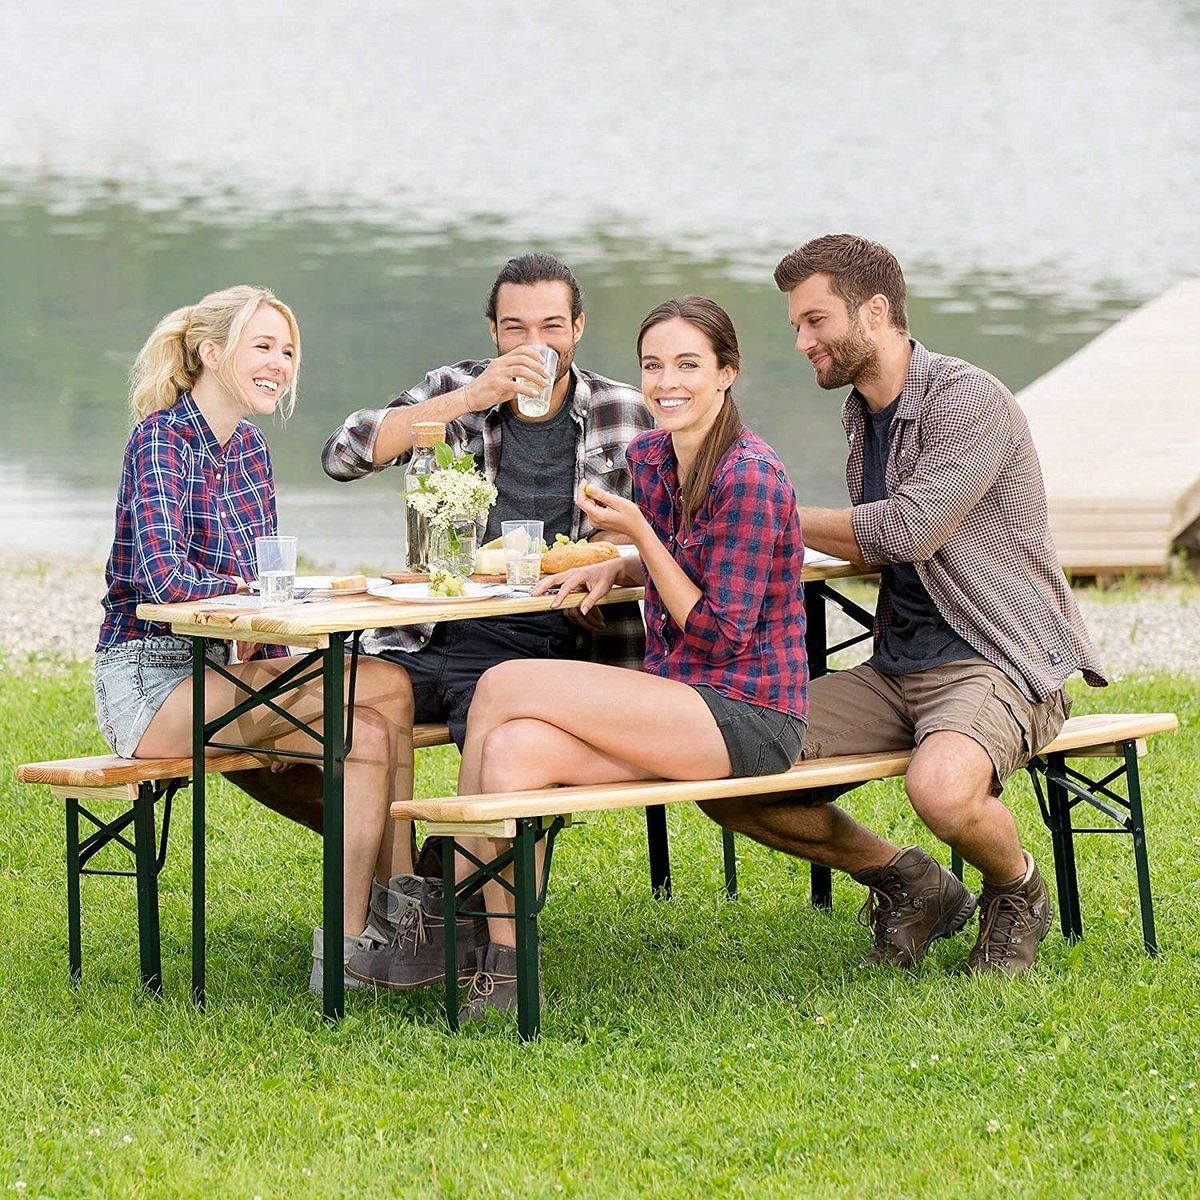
(50, 612)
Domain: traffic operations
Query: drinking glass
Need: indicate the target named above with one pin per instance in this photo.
(276, 568)
(539, 405)
(522, 553)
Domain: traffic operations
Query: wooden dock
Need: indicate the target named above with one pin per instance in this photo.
(1117, 428)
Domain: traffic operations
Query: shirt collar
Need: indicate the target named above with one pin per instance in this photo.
(916, 383)
(189, 411)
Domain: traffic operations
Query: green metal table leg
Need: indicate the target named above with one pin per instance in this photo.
(525, 882)
(149, 946)
(816, 640)
(1141, 862)
(74, 931)
(956, 865)
(333, 886)
(450, 919)
(198, 782)
(730, 855)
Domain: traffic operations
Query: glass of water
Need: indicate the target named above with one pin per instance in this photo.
(539, 405)
(276, 568)
(522, 553)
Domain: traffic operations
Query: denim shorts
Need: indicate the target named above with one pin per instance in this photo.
(133, 681)
(760, 741)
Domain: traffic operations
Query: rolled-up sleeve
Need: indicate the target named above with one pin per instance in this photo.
(739, 549)
(348, 453)
(964, 438)
(161, 567)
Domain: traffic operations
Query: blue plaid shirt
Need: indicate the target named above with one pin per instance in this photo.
(188, 511)
(744, 551)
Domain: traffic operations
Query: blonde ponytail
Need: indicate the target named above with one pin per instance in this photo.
(169, 363)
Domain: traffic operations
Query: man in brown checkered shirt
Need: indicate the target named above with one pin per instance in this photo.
(975, 630)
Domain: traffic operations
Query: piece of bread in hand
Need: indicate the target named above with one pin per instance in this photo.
(348, 583)
(576, 554)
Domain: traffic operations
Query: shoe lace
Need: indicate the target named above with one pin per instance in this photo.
(412, 927)
(873, 915)
(1005, 914)
(481, 987)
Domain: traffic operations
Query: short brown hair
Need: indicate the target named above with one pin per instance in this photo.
(857, 268)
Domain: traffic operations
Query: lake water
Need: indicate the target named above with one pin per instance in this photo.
(1036, 172)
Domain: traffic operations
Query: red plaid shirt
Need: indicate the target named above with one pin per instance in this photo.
(745, 635)
(188, 511)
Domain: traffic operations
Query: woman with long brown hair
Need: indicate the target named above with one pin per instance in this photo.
(724, 687)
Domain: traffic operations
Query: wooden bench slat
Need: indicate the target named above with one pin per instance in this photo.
(109, 771)
(1079, 733)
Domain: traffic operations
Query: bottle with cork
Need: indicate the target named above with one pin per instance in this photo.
(426, 435)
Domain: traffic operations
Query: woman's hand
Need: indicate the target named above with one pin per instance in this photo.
(612, 513)
(597, 579)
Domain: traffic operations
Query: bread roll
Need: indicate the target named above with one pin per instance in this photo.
(348, 583)
(577, 554)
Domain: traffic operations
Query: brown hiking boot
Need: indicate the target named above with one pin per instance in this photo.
(913, 901)
(416, 955)
(1013, 921)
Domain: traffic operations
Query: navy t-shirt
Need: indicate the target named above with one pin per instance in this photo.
(918, 637)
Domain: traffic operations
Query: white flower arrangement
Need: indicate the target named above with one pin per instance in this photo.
(454, 491)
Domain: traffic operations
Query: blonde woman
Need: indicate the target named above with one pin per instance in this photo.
(196, 490)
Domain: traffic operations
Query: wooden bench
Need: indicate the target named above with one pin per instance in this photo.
(140, 783)
(525, 818)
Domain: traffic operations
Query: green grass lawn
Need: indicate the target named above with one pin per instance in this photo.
(696, 1047)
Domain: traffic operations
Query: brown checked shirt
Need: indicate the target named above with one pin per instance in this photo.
(966, 505)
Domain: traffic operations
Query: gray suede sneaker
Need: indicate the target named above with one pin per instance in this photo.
(416, 955)
(1013, 922)
(913, 901)
(388, 904)
(350, 946)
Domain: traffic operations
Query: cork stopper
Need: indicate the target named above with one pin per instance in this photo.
(428, 433)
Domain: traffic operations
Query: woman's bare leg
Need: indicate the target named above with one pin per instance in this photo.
(377, 770)
(534, 724)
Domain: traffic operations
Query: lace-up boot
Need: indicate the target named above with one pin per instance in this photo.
(1013, 921)
(416, 955)
(912, 902)
(494, 985)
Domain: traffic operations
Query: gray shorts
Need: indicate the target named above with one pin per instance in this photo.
(133, 681)
(760, 741)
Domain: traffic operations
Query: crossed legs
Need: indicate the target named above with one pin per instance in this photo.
(377, 771)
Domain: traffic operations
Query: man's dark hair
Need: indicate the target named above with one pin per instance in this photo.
(857, 268)
(536, 268)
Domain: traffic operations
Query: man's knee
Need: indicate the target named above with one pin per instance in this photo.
(950, 775)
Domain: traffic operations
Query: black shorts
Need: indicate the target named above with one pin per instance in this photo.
(760, 741)
(445, 672)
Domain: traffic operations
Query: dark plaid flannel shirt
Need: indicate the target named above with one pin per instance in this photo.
(188, 511)
(966, 505)
(608, 415)
(744, 551)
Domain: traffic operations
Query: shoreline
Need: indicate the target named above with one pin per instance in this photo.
(50, 614)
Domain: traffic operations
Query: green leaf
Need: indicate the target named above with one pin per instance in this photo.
(443, 455)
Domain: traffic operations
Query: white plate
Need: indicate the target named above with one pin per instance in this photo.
(318, 585)
(418, 593)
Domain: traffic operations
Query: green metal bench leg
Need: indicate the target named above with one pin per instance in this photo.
(1138, 829)
(659, 851)
(821, 885)
(956, 865)
(74, 923)
(730, 855)
(1063, 837)
(450, 925)
(146, 873)
(333, 978)
(525, 882)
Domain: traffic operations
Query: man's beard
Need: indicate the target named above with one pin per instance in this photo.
(565, 359)
(853, 360)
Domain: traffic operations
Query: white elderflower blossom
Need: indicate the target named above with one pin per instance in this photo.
(456, 490)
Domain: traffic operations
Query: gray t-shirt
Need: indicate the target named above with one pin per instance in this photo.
(535, 480)
(918, 638)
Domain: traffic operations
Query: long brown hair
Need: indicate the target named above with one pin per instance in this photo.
(712, 321)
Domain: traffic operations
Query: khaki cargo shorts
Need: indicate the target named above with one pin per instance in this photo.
(862, 710)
